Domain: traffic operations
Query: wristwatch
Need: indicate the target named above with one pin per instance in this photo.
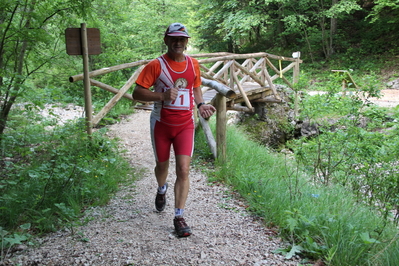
(199, 105)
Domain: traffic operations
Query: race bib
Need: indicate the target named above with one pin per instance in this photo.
(182, 102)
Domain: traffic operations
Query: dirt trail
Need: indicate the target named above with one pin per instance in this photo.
(389, 98)
(128, 231)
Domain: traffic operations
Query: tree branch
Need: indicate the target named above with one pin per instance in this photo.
(55, 13)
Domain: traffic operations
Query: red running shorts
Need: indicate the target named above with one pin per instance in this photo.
(163, 136)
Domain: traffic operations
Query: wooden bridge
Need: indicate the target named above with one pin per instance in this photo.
(230, 82)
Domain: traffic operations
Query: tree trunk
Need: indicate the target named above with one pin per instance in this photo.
(13, 90)
(333, 31)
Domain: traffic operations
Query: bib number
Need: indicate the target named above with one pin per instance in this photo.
(182, 102)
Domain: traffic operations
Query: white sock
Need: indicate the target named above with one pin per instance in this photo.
(162, 190)
(179, 212)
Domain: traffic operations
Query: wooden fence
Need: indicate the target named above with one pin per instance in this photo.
(226, 84)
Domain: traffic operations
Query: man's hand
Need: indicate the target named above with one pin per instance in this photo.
(206, 110)
(170, 95)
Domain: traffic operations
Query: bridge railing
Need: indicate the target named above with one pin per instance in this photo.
(221, 67)
(237, 70)
(254, 68)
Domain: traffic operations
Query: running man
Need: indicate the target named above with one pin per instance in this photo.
(176, 81)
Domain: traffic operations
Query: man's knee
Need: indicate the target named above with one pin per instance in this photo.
(161, 167)
(183, 168)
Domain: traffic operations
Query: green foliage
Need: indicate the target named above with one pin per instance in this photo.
(317, 221)
(383, 8)
(132, 31)
(8, 240)
(230, 25)
(27, 33)
(366, 163)
(319, 29)
(47, 177)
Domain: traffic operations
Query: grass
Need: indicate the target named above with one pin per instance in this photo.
(48, 177)
(319, 222)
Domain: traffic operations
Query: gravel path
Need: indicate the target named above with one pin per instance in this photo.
(128, 231)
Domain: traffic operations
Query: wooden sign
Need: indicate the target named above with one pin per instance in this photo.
(74, 41)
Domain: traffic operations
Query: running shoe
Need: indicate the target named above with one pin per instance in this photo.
(160, 200)
(182, 229)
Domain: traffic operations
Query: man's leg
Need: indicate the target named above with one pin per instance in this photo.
(161, 146)
(161, 172)
(182, 187)
(182, 184)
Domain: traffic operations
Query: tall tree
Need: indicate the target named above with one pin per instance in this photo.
(27, 33)
(248, 23)
(132, 30)
(232, 25)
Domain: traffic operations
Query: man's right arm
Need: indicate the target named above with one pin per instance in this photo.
(142, 94)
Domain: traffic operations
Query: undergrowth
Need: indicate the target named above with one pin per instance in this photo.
(320, 222)
(49, 176)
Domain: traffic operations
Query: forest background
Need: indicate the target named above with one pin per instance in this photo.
(47, 178)
(330, 34)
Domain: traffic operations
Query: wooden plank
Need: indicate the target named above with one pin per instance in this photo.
(240, 109)
(208, 135)
(244, 95)
(109, 70)
(252, 96)
(109, 88)
(221, 124)
(222, 89)
(214, 67)
(270, 99)
(223, 70)
(117, 97)
(246, 71)
(245, 56)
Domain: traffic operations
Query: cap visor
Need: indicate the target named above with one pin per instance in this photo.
(178, 34)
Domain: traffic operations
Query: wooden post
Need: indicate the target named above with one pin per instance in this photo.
(295, 79)
(221, 123)
(208, 135)
(231, 78)
(86, 79)
(344, 86)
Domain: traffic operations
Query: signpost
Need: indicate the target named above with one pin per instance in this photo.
(84, 41)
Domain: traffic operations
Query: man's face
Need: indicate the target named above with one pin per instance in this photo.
(176, 44)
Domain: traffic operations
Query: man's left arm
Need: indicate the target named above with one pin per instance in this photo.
(205, 110)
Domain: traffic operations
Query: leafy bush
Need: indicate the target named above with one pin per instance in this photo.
(357, 147)
(319, 221)
(48, 177)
